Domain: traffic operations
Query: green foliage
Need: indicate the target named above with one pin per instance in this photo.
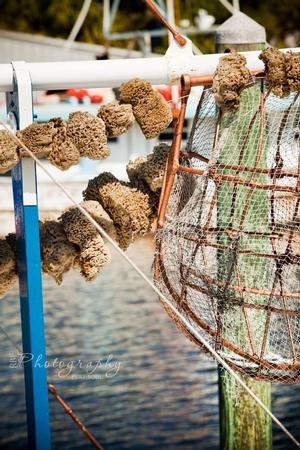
(51, 17)
(56, 18)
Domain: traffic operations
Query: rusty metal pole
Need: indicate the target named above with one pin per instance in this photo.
(243, 425)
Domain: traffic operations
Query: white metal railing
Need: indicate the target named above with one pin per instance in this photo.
(111, 73)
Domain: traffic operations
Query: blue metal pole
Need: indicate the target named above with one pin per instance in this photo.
(29, 266)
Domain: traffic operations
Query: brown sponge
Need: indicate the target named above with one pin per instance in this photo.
(128, 207)
(230, 78)
(150, 109)
(100, 216)
(293, 70)
(8, 152)
(151, 168)
(58, 254)
(64, 153)
(275, 68)
(92, 190)
(38, 137)
(93, 254)
(8, 268)
(118, 118)
(88, 133)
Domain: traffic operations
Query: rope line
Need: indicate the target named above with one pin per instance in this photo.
(147, 280)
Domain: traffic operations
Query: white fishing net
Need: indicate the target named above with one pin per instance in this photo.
(229, 255)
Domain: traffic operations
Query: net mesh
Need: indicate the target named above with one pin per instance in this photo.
(228, 257)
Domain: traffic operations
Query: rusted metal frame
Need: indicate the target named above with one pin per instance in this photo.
(204, 326)
(283, 297)
(257, 170)
(235, 287)
(237, 302)
(248, 183)
(253, 234)
(195, 155)
(208, 80)
(191, 170)
(279, 263)
(159, 269)
(74, 417)
(288, 249)
(173, 158)
(293, 259)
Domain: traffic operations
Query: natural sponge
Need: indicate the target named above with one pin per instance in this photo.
(100, 216)
(93, 254)
(128, 207)
(275, 68)
(293, 70)
(8, 268)
(230, 78)
(38, 137)
(151, 168)
(58, 254)
(63, 153)
(88, 134)
(118, 118)
(150, 109)
(8, 152)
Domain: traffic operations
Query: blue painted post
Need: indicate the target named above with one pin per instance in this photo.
(29, 265)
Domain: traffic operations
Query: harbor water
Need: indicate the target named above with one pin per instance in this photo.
(119, 361)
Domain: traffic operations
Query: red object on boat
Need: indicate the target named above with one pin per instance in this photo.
(96, 98)
(78, 93)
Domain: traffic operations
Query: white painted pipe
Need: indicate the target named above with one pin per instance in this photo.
(111, 73)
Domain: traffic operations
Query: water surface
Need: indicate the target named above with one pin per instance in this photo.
(164, 395)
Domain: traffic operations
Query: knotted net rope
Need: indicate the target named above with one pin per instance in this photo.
(228, 258)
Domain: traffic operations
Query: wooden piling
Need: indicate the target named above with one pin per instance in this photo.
(243, 425)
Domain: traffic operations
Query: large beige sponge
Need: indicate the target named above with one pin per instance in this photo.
(93, 254)
(275, 69)
(150, 109)
(63, 153)
(88, 134)
(58, 254)
(118, 118)
(8, 152)
(128, 207)
(229, 79)
(38, 137)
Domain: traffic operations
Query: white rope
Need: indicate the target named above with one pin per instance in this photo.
(190, 327)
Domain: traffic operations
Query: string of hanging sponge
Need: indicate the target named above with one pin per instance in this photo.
(63, 143)
(125, 210)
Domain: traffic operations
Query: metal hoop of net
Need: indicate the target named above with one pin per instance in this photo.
(228, 256)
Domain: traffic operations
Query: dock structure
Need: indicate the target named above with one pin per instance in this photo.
(243, 424)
